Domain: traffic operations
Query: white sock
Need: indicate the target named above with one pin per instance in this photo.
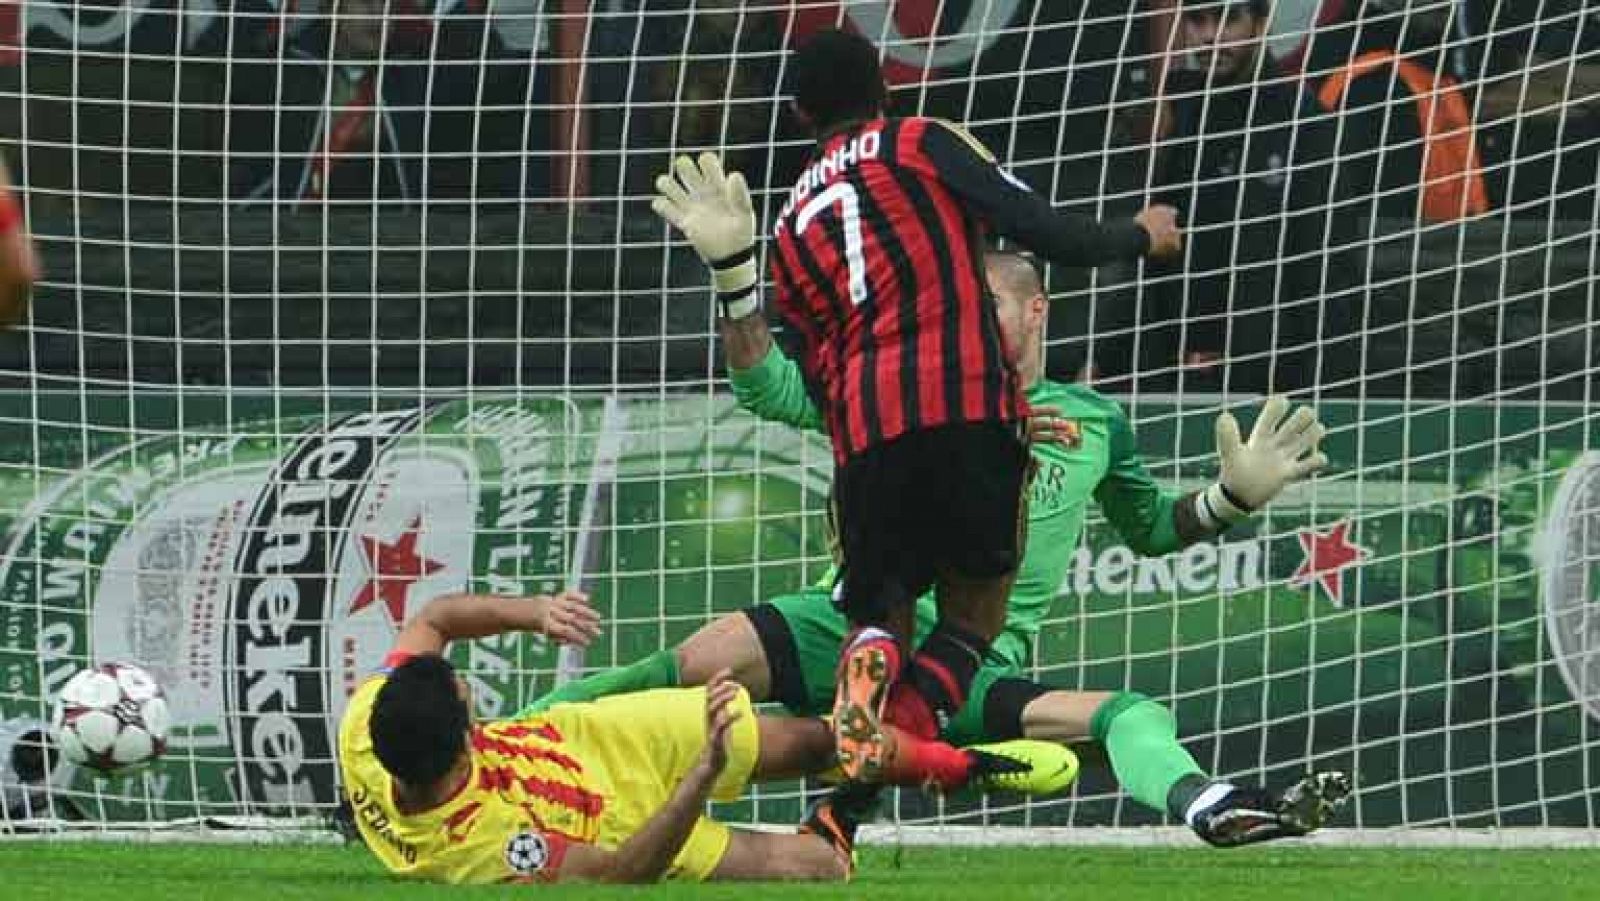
(1213, 793)
(870, 633)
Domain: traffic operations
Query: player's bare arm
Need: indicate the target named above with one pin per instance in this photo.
(746, 340)
(566, 617)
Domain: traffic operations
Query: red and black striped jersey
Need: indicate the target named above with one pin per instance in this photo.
(878, 270)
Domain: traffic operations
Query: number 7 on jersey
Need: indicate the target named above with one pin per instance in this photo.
(844, 194)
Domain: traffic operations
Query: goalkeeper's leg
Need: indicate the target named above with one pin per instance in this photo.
(659, 670)
(1141, 739)
(780, 651)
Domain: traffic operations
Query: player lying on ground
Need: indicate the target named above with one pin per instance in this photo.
(783, 650)
(876, 265)
(613, 790)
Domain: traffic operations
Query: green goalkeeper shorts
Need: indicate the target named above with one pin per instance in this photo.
(801, 634)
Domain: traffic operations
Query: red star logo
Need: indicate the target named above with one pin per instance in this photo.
(1328, 555)
(394, 568)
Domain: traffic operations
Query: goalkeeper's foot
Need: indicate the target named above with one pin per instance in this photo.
(1244, 816)
(1023, 765)
(836, 817)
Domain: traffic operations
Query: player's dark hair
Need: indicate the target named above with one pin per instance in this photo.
(419, 722)
(837, 78)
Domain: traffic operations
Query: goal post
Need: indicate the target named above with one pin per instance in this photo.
(355, 309)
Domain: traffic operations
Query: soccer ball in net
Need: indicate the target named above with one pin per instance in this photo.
(111, 716)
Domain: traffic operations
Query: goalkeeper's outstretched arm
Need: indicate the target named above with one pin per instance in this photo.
(772, 387)
(1282, 449)
(713, 210)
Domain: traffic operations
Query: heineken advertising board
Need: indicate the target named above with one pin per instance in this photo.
(261, 571)
(1419, 615)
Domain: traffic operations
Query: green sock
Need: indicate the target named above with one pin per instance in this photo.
(659, 670)
(1141, 738)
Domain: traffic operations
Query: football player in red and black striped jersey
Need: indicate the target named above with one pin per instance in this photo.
(878, 272)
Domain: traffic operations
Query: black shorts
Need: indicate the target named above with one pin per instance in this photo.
(943, 501)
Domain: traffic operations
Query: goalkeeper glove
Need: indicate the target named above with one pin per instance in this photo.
(713, 210)
(1254, 472)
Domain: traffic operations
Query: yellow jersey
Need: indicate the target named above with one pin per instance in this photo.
(592, 773)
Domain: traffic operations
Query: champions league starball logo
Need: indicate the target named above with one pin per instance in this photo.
(527, 852)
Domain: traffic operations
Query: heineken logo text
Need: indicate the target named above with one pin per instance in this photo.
(280, 608)
(1227, 567)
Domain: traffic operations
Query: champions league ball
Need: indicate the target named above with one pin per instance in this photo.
(110, 717)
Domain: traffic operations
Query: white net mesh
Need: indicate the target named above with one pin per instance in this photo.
(354, 280)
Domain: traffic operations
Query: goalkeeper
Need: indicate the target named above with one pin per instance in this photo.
(1083, 446)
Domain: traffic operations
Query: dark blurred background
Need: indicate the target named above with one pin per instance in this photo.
(395, 193)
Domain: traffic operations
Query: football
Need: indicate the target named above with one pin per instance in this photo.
(110, 717)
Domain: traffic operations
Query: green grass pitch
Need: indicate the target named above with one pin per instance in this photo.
(123, 872)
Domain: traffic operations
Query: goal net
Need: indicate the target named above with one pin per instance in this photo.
(363, 298)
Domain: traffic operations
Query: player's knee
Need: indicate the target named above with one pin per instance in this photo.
(727, 643)
(1130, 705)
(1005, 704)
(684, 659)
(705, 652)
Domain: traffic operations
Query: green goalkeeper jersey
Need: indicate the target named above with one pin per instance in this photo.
(1099, 459)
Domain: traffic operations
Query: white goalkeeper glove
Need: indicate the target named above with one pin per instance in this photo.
(713, 210)
(1279, 452)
